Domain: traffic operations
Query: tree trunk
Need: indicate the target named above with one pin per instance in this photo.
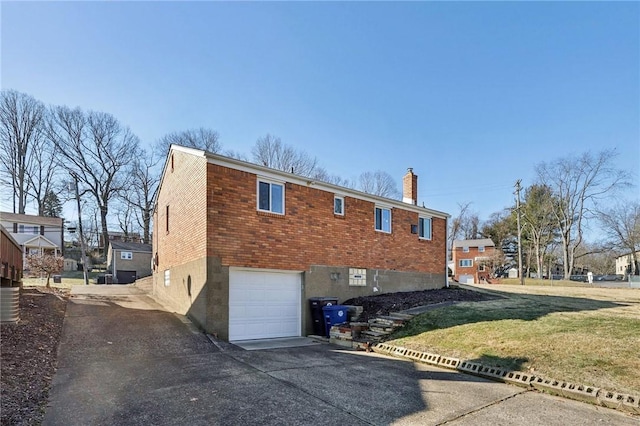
(103, 222)
(146, 219)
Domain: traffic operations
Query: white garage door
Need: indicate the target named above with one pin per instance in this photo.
(264, 305)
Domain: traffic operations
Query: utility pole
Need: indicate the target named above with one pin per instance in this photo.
(83, 248)
(519, 232)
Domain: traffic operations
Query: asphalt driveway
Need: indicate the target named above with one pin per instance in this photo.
(124, 360)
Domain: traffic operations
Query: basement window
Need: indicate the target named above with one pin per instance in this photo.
(357, 277)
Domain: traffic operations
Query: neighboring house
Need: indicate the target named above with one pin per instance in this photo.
(470, 259)
(240, 248)
(128, 261)
(11, 263)
(624, 264)
(35, 234)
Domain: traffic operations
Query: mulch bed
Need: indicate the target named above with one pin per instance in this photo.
(383, 304)
(28, 351)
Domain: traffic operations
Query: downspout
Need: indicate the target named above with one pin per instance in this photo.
(446, 255)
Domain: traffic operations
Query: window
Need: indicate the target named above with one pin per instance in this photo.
(357, 277)
(481, 268)
(36, 230)
(167, 219)
(465, 249)
(465, 263)
(424, 228)
(21, 229)
(338, 205)
(481, 249)
(383, 219)
(126, 255)
(167, 277)
(270, 197)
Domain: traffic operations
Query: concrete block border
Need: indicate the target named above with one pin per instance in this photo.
(590, 394)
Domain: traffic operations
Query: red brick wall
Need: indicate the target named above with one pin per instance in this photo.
(184, 191)
(459, 254)
(309, 233)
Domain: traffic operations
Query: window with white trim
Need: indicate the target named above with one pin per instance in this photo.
(126, 255)
(481, 268)
(338, 205)
(383, 219)
(424, 228)
(481, 249)
(167, 277)
(465, 249)
(465, 263)
(270, 197)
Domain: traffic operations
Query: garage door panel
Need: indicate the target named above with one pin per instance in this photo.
(264, 304)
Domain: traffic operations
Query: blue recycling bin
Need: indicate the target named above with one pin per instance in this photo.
(334, 314)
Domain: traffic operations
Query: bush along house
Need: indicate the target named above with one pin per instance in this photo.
(240, 248)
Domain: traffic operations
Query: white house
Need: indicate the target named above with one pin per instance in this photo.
(35, 234)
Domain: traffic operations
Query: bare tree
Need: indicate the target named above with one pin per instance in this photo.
(578, 182)
(621, 224)
(269, 151)
(43, 173)
(464, 226)
(144, 186)
(202, 138)
(379, 183)
(96, 149)
(44, 263)
(21, 120)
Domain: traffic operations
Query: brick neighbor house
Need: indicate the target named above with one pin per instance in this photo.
(240, 248)
(470, 259)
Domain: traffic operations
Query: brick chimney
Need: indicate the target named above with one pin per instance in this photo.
(410, 187)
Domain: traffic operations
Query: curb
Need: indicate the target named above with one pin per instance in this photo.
(591, 394)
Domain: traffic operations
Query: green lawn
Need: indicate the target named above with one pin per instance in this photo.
(582, 335)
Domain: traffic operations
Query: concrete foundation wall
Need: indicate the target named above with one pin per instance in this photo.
(317, 282)
(186, 293)
(217, 302)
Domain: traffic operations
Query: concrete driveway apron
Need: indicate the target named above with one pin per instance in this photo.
(125, 360)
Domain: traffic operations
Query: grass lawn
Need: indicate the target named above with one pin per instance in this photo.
(577, 334)
(69, 279)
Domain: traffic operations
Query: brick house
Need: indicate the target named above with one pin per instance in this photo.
(129, 261)
(240, 248)
(470, 258)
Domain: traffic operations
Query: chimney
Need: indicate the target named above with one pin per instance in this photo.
(410, 187)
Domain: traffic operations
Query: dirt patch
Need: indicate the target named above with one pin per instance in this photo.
(28, 350)
(383, 304)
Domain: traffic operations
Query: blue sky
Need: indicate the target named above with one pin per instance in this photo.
(471, 95)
